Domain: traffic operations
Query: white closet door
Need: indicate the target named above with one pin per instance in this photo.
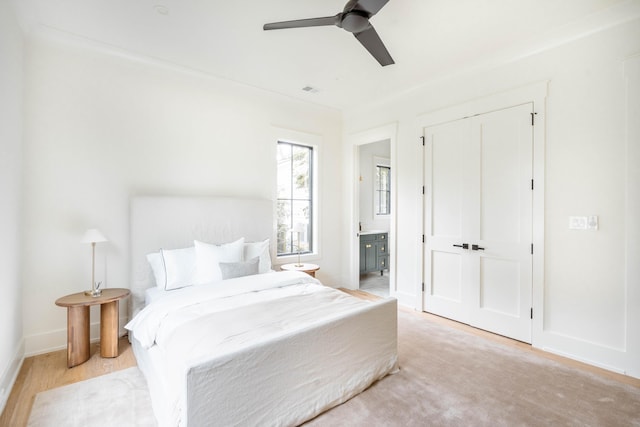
(501, 222)
(478, 195)
(447, 198)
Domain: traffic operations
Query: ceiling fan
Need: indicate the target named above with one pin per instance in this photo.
(355, 19)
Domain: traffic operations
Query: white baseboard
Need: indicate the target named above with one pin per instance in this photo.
(57, 339)
(585, 360)
(406, 299)
(10, 375)
(589, 352)
(46, 342)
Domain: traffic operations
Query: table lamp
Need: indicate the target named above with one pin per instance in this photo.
(93, 236)
(299, 228)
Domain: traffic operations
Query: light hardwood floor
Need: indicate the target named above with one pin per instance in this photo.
(47, 371)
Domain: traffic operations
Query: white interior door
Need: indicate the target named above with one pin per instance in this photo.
(447, 149)
(478, 221)
(501, 222)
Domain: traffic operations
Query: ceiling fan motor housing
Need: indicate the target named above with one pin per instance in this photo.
(354, 21)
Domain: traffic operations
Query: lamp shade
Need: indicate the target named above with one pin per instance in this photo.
(93, 235)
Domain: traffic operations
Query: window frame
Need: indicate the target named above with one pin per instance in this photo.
(313, 142)
(384, 163)
(292, 199)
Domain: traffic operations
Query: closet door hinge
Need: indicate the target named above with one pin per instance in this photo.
(423, 190)
(422, 286)
(423, 238)
(532, 249)
(422, 138)
(532, 184)
(532, 312)
(533, 120)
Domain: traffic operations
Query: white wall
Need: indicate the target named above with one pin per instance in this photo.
(369, 154)
(586, 293)
(102, 126)
(11, 60)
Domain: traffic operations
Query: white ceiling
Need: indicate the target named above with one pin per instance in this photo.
(428, 39)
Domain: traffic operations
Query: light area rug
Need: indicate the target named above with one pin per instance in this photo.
(447, 377)
(118, 399)
(450, 377)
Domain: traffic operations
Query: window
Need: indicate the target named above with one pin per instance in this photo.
(295, 199)
(382, 196)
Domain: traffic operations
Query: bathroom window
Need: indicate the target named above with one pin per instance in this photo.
(382, 190)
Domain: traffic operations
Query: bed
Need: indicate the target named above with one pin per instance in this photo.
(267, 349)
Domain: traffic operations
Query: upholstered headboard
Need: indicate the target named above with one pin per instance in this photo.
(175, 222)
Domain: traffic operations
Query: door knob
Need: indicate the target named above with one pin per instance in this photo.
(476, 248)
(463, 246)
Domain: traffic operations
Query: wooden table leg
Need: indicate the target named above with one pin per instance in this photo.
(77, 335)
(109, 314)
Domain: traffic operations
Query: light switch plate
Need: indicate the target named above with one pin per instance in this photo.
(583, 222)
(577, 223)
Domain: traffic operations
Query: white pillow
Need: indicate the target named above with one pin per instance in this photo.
(157, 267)
(208, 258)
(180, 267)
(258, 249)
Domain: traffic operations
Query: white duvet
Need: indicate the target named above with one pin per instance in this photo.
(186, 304)
(211, 337)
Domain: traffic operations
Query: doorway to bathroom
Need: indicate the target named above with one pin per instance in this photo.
(374, 194)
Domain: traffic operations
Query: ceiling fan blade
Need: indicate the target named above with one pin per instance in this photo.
(299, 23)
(370, 6)
(371, 41)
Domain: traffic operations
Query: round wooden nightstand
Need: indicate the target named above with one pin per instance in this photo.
(310, 269)
(78, 323)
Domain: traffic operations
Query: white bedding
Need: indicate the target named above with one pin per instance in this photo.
(270, 349)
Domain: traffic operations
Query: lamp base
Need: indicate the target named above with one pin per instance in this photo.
(94, 294)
